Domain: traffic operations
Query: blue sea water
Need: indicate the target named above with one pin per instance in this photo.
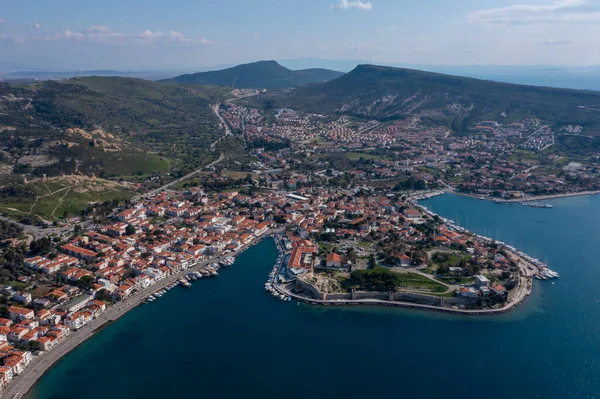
(227, 338)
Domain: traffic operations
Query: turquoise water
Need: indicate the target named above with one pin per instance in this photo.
(227, 338)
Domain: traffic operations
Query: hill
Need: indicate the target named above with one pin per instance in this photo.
(386, 93)
(107, 126)
(258, 75)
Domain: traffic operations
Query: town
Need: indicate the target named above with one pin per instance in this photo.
(336, 244)
(511, 162)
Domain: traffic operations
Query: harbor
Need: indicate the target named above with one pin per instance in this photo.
(530, 203)
(532, 267)
(271, 283)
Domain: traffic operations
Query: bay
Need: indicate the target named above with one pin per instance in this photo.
(227, 338)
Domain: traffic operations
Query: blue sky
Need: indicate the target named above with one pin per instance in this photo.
(157, 34)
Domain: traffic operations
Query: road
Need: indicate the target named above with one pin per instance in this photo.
(188, 176)
(217, 110)
(35, 231)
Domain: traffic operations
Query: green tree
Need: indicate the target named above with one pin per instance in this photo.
(86, 282)
(129, 230)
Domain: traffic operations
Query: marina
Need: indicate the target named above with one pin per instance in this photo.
(273, 276)
(185, 281)
(540, 271)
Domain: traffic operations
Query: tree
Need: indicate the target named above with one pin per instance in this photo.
(103, 295)
(86, 282)
(129, 230)
(41, 246)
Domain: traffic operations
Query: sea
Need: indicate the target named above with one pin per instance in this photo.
(226, 337)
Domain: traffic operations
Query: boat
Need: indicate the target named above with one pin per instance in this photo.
(213, 272)
(184, 283)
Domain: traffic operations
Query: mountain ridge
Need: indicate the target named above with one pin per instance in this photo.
(381, 92)
(258, 75)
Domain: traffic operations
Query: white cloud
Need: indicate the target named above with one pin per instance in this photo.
(2, 21)
(555, 42)
(356, 4)
(103, 34)
(37, 26)
(365, 47)
(558, 11)
(98, 29)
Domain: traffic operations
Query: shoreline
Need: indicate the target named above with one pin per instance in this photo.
(41, 364)
(519, 294)
(523, 291)
(527, 199)
(36, 369)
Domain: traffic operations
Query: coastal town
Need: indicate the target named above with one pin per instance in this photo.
(337, 246)
(339, 196)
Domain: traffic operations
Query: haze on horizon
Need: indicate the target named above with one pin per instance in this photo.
(187, 34)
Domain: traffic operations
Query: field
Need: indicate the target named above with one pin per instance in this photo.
(416, 281)
(355, 156)
(523, 155)
(65, 196)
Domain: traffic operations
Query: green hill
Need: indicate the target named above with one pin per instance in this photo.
(386, 93)
(106, 126)
(258, 75)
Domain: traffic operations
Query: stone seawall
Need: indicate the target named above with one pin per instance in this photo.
(309, 290)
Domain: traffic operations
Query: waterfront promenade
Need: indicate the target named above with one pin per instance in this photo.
(40, 364)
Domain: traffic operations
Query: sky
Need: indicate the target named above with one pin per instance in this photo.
(180, 34)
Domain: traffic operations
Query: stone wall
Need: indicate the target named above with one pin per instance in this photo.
(337, 297)
(308, 289)
(417, 298)
(384, 296)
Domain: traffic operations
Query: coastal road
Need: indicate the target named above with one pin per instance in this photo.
(38, 366)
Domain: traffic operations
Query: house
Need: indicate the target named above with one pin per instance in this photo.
(75, 321)
(499, 290)
(22, 297)
(481, 281)
(75, 304)
(5, 322)
(405, 260)
(334, 260)
(79, 252)
(19, 314)
(468, 292)
(59, 331)
(124, 291)
(412, 213)
(6, 374)
(46, 343)
(16, 363)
